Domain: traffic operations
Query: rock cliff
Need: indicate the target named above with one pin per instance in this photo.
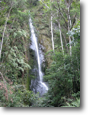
(42, 28)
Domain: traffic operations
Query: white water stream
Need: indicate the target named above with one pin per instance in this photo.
(42, 87)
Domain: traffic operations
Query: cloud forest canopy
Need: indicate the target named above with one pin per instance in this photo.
(57, 26)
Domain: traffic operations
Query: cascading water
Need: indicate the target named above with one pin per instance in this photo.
(37, 85)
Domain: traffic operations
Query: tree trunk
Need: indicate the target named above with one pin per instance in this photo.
(69, 25)
(61, 38)
(1, 44)
(51, 22)
(52, 33)
(65, 42)
(52, 27)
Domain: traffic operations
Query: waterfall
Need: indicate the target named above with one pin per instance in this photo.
(37, 85)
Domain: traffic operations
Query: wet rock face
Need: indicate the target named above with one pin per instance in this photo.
(37, 84)
(42, 26)
(42, 23)
(42, 58)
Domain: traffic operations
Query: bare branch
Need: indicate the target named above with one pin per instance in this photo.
(58, 9)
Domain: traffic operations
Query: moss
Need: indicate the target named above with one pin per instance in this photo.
(28, 83)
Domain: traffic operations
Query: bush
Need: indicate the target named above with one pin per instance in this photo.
(63, 75)
(16, 96)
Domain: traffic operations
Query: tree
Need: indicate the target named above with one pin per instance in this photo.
(63, 76)
(1, 44)
(48, 5)
(14, 36)
(66, 18)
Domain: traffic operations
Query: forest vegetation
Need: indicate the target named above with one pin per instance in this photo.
(57, 24)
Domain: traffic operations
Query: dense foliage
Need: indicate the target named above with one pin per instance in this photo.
(61, 20)
(63, 73)
(64, 76)
(14, 62)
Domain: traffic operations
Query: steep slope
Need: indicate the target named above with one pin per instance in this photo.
(42, 26)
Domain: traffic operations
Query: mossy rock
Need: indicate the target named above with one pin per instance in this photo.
(46, 42)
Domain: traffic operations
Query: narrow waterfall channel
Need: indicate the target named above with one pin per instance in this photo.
(37, 84)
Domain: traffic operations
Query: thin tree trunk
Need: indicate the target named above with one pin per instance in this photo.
(60, 34)
(69, 24)
(4, 31)
(52, 27)
(61, 38)
(52, 33)
(51, 23)
(65, 42)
